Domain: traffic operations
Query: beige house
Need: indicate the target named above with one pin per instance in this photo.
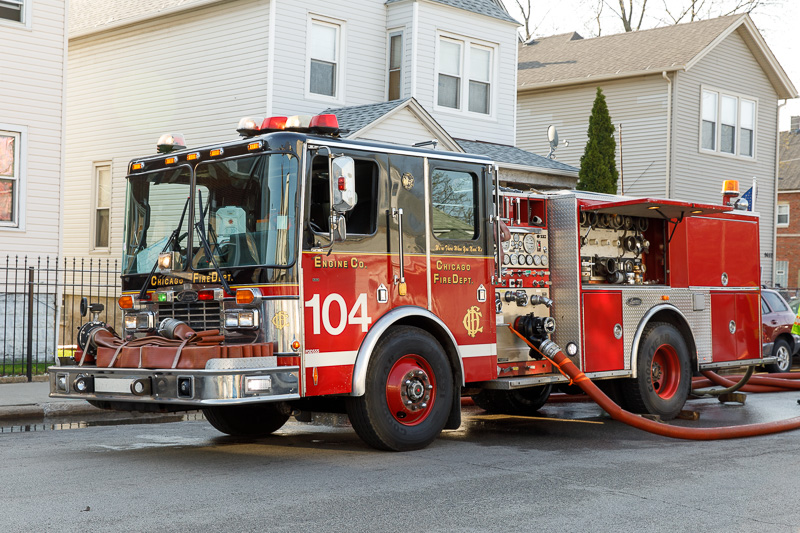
(32, 70)
(695, 104)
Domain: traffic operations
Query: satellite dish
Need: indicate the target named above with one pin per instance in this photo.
(552, 137)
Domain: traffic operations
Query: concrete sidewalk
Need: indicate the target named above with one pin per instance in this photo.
(32, 401)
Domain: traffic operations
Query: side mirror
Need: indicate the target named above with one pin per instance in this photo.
(343, 170)
(338, 227)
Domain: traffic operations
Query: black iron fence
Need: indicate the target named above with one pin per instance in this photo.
(40, 301)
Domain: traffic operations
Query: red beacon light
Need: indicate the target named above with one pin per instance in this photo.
(249, 126)
(325, 123)
(273, 124)
(170, 142)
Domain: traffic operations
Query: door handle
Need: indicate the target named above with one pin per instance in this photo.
(397, 214)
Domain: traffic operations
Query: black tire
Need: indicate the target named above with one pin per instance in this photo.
(783, 352)
(248, 420)
(521, 402)
(664, 378)
(382, 417)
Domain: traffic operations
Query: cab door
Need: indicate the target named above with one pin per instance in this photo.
(460, 263)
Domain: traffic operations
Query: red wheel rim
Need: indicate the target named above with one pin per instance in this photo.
(410, 390)
(665, 372)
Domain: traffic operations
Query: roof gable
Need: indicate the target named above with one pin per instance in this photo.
(566, 60)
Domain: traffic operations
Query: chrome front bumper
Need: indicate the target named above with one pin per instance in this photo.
(200, 388)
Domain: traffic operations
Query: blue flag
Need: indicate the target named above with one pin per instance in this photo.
(750, 196)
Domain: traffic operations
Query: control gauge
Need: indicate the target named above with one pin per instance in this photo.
(529, 260)
(529, 242)
(537, 260)
(513, 259)
(544, 260)
(516, 237)
(506, 246)
(506, 260)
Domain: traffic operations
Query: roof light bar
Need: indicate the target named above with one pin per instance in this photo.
(298, 122)
(325, 123)
(273, 123)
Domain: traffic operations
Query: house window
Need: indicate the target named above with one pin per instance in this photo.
(102, 204)
(12, 10)
(728, 124)
(395, 65)
(783, 215)
(465, 68)
(449, 73)
(480, 66)
(324, 53)
(9, 177)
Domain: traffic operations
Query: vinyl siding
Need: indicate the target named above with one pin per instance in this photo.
(128, 86)
(698, 175)
(435, 18)
(639, 104)
(400, 128)
(364, 61)
(31, 94)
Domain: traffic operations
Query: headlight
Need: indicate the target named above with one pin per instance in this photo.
(140, 321)
(241, 319)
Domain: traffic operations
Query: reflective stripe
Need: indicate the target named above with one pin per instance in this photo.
(330, 358)
(477, 350)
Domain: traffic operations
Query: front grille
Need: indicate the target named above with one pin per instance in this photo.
(199, 315)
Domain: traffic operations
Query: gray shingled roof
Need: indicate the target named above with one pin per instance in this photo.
(789, 167)
(503, 153)
(490, 8)
(569, 58)
(356, 117)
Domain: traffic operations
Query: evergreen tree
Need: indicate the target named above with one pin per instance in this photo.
(598, 171)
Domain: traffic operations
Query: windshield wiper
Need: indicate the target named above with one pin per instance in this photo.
(175, 237)
(200, 227)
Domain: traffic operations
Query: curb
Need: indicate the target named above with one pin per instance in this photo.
(47, 410)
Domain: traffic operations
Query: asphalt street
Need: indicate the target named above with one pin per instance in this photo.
(573, 469)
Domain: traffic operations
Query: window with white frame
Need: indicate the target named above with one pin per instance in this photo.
(783, 215)
(395, 65)
(9, 177)
(102, 204)
(465, 66)
(782, 274)
(13, 10)
(728, 124)
(324, 51)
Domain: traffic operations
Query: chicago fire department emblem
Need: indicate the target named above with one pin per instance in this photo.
(408, 181)
(472, 321)
(281, 319)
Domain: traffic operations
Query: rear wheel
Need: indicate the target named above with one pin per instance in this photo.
(784, 363)
(522, 402)
(408, 395)
(664, 377)
(248, 420)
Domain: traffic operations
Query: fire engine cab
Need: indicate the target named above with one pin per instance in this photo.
(294, 271)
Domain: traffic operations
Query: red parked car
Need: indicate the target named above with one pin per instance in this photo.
(777, 319)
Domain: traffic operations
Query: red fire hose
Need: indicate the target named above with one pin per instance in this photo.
(553, 352)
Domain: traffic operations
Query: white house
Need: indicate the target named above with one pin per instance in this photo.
(32, 73)
(140, 68)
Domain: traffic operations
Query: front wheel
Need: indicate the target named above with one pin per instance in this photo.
(784, 362)
(248, 420)
(408, 395)
(664, 378)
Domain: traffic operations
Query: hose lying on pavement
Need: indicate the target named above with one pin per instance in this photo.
(772, 383)
(552, 352)
(733, 388)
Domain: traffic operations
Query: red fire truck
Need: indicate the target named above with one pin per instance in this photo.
(295, 271)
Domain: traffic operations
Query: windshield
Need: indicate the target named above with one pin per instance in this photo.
(155, 203)
(246, 209)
